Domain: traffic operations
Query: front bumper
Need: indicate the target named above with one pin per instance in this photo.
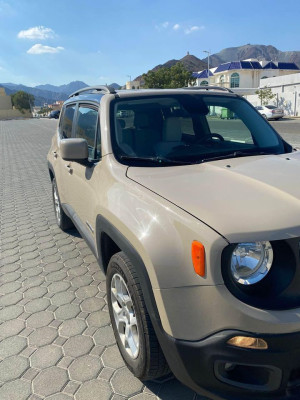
(221, 371)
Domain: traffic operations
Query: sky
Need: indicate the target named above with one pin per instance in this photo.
(100, 41)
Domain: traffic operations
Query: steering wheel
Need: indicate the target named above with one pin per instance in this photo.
(211, 136)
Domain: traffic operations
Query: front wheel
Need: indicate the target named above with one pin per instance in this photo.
(131, 323)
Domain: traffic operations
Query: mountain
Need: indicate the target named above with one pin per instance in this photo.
(48, 93)
(261, 52)
(66, 89)
(115, 86)
(191, 63)
(41, 96)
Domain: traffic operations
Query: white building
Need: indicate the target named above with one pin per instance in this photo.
(244, 74)
(287, 91)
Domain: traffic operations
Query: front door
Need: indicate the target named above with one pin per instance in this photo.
(81, 185)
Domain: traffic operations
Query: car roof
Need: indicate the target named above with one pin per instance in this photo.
(95, 93)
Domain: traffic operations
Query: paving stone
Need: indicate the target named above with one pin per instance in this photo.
(53, 267)
(60, 396)
(78, 346)
(142, 396)
(92, 304)
(39, 319)
(94, 389)
(33, 281)
(65, 362)
(36, 305)
(98, 319)
(9, 268)
(12, 368)
(34, 271)
(15, 390)
(67, 311)
(77, 271)
(42, 336)
(28, 352)
(72, 327)
(46, 356)
(11, 346)
(10, 299)
(71, 387)
(50, 381)
(60, 341)
(124, 383)
(51, 259)
(9, 287)
(10, 277)
(106, 373)
(104, 336)
(30, 374)
(85, 368)
(29, 256)
(112, 358)
(11, 328)
(86, 292)
(31, 263)
(56, 276)
(10, 312)
(56, 287)
(73, 262)
(81, 281)
(35, 292)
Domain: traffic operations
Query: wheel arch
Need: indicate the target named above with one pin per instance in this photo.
(51, 171)
(110, 241)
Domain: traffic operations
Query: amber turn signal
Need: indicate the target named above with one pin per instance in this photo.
(248, 342)
(198, 257)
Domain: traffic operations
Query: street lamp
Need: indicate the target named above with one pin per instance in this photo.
(208, 53)
(129, 81)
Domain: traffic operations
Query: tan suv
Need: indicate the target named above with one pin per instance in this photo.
(194, 219)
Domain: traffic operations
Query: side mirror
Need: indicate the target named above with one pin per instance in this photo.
(74, 149)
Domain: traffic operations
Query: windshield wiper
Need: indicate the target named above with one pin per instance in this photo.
(156, 160)
(237, 153)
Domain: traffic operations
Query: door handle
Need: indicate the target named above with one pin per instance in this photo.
(54, 154)
(70, 170)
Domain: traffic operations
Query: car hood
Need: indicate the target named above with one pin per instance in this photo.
(243, 199)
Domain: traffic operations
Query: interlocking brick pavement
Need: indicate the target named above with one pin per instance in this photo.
(56, 341)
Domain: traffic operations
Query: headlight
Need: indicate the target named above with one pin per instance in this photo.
(251, 262)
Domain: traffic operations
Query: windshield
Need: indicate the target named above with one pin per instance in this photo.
(188, 128)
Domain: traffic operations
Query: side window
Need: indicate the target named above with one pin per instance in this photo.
(86, 127)
(67, 121)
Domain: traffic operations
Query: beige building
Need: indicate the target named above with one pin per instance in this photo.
(6, 109)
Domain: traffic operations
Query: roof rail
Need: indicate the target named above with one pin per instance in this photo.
(209, 88)
(101, 88)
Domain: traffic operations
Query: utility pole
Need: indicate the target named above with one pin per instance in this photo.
(208, 54)
(129, 81)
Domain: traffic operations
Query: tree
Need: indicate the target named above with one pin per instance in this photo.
(22, 100)
(265, 95)
(167, 78)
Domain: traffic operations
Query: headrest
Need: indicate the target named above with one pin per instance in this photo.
(172, 129)
(141, 120)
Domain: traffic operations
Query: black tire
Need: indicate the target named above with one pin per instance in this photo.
(150, 362)
(62, 220)
(264, 115)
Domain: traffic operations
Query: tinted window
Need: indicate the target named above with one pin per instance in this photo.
(271, 107)
(86, 126)
(67, 121)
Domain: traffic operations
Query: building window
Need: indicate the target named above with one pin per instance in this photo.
(235, 80)
(222, 80)
(204, 83)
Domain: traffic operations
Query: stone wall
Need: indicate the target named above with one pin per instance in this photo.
(14, 114)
